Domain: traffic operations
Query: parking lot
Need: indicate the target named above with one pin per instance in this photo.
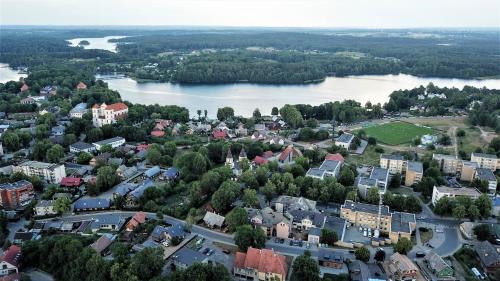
(352, 234)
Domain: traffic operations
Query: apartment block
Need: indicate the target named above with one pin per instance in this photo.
(443, 191)
(52, 173)
(414, 173)
(448, 164)
(392, 162)
(17, 194)
(487, 161)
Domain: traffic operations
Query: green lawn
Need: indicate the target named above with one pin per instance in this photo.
(395, 133)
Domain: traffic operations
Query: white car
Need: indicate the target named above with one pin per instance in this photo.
(364, 233)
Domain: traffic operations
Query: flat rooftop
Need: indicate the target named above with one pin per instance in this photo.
(415, 166)
(365, 208)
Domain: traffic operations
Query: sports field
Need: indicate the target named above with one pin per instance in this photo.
(395, 133)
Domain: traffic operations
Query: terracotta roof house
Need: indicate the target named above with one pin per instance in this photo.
(218, 135)
(108, 113)
(289, 154)
(81, 86)
(260, 264)
(25, 88)
(259, 160)
(268, 154)
(136, 220)
(335, 156)
(71, 182)
(10, 261)
(157, 133)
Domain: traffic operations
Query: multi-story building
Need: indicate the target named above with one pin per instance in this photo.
(381, 175)
(414, 173)
(448, 164)
(402, 225)
(260, 264)
(401, 268)
(51, 173)
(488, 161)
(78, 111)
(392, 162)
(329, 168)
(17, 194)
(113, 142)
(286, 203)
(81, 146)
(10, 261)
(485, 174)
(468, 170)
(274, 224)
(105, 114)
(443, 191)
(366, 215)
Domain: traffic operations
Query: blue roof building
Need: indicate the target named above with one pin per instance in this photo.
(152, 172)
(91, 204)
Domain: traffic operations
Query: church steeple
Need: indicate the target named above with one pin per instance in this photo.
(229, 157)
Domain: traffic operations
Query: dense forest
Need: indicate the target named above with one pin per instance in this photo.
(260, 56)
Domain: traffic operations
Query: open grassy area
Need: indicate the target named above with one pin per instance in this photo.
(426, 236)
(369, 157)
(395, 133)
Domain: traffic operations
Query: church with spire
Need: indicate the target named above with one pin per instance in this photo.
(235, 164)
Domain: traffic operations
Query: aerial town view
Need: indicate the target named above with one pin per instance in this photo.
(277, 140)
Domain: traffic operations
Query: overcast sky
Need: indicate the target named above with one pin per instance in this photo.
(277, 13)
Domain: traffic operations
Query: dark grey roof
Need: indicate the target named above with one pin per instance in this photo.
(317, 218)
(328, 255)
(415, 166)
(188, 256)
(392, 156)
(487, 253)
(82, 145)
(484, 155)
(359, 271)
(92, 203)
(366, 208)
(329, 165)
(315, 231)
(137, 193)
(107, 219)
(336, 224)
(345, 138)
(176, 230)
(485, 174)
(365, 181)
(400, 222)
(153, 171)
(14, 185)
(157, 231)
(379, 174)
(124, 188)
(315, 172)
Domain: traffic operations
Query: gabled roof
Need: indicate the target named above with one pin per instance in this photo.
(102, 243)
(81, 86)
(137, 219)
(153, 171)
(262, 260)
(259, 160)
(213, 219)
(290, 150)
(12, 255)
(119, 106)
(92, 203)
(435, 261)
(487, 253)
(71, 182)
(336, 157)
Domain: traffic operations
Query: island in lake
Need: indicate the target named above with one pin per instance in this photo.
(84, 43)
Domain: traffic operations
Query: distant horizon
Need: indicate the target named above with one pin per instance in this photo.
(362, 14)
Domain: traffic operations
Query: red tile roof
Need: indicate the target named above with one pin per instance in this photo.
(137, 219)
(24, 88)
(287, 151)
(142, 146)
(268, 154)
(81, 86)
(71, 182)
(11, 277)
(336, 157)
(259, 160)
(12, 255)
(115, 106)
(157, 133)
(263, 260)
(219, 134)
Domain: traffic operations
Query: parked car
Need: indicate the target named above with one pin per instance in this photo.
(420, 254)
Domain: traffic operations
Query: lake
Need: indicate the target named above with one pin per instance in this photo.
(97, 43)
(8, 74)
(245, 97)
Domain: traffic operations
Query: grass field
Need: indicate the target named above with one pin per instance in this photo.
(395, 133)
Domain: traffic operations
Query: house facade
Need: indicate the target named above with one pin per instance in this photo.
(52, 173)
(105, 114)
(17, 194)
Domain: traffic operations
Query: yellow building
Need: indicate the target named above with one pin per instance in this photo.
(488, 161)
(414, 173)
(449, 164)
(366, 215)
(392, 162)
(468, 171)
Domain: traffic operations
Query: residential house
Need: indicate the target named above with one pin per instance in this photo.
(335, 156)
(260, 264)
(213, 220)
(16, 194)
(288, 155)
(393, 162)
(44, 208)
(488, 161)
(359, 271)
(80, 146)
(81, 86)
(113, 142)
(28, 100)
(401, 267)
(108, 114)
(274, 224)
(443, 191)
(135, 195)
(57, 130)
(330, 259)
(102, 244)
(22, 236)
(485, 174)
(136, 220)
(171, 174)
(488, 256)
(107, 222)
(123, 189)
(24, 88)
(10, 261)
(71, 183)
(185, 257)
(125, 172)
(414, 173)
(438, 266)
(304, 220)
(52, 173)
(286, 203)
(175, 231)
(91, 204)
(103, 158)
(78, 111)
(345, 140)
(152, 172)
(448, 164)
